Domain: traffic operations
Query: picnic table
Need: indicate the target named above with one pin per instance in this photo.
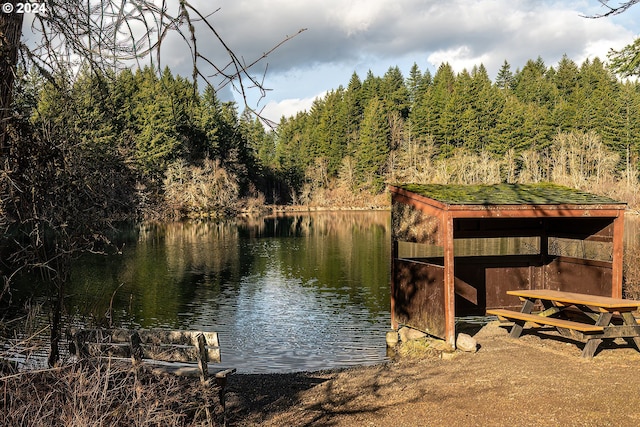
(588, 318)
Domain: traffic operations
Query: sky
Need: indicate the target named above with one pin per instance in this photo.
(341, 37)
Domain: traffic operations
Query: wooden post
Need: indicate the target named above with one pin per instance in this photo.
(544, 256)
(449, 279)
(80, 345)
(136, 348)
(394, 256)
(617, 256)
(592, 345)
(201, 345)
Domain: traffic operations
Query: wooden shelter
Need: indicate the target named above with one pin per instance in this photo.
(433, 281)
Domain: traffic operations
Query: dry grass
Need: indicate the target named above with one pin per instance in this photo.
(195, 190)
(418, 349)
(344, 198)
(102, 394)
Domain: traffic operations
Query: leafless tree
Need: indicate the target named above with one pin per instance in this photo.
(10, 30)
(105, 35)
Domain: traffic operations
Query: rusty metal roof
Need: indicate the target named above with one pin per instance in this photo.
(507, 194)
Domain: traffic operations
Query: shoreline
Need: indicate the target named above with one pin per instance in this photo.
(507, 382)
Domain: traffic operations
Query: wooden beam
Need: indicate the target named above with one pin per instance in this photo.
(449, 281)
(546, 211)
(421, 202)
(394, 256)
(428, 206)
(579, 299)
(617, 256)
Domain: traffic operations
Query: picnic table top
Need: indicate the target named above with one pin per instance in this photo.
(603, 302)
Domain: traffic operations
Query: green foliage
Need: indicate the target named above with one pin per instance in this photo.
(150, 122)
(506, 194)
(373, 147)
(504, 79)
(512, 122)
(626, 61)
(356, 137)
(160, 112)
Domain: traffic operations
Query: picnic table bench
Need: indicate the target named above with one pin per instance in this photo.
(588, 318)
(176, 352)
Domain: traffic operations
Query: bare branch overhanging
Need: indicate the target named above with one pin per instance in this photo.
(113, 34)
(621, 7)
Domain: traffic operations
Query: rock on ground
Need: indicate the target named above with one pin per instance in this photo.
(466, 342)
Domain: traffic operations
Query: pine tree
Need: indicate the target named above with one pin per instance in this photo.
(532, 84)
(394, 92)
(158, 141)
(124, 104)
(504, 79)
(259, 141)
(509, 132)
(566, 78)
(437, 101)
(597, 93)
(413, 82)
(353, 99)
(209, 123)
(330, 134)
(371, 87)
(290, 152)
(621, 131)
(487, 104)
(373, 147)
(458, 121)
(421, 110)
(91, 93)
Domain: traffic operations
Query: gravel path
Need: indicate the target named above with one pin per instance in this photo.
(539, 379)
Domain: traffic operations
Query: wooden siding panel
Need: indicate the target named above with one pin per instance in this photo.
(418, 293)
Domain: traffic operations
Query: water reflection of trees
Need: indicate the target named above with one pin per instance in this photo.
(345, 253)
(165, 270)
(176, 265)
(179, 264)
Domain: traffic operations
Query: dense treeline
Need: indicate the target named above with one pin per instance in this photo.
(577, 125)
(170, 149)
(165, 148)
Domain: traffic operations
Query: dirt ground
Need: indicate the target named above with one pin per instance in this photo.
(539, 379)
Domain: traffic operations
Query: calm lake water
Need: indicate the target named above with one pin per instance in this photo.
(287, 293)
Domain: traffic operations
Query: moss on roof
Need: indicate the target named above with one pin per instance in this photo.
(507, 194)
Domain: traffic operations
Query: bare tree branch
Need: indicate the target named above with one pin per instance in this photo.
(613, 10)
(110, 34)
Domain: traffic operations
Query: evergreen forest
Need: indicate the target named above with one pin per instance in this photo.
(158, 146)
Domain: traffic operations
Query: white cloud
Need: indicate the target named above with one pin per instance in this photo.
(459, 58)
(356, 35)
(357, 16)
(275, 110)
